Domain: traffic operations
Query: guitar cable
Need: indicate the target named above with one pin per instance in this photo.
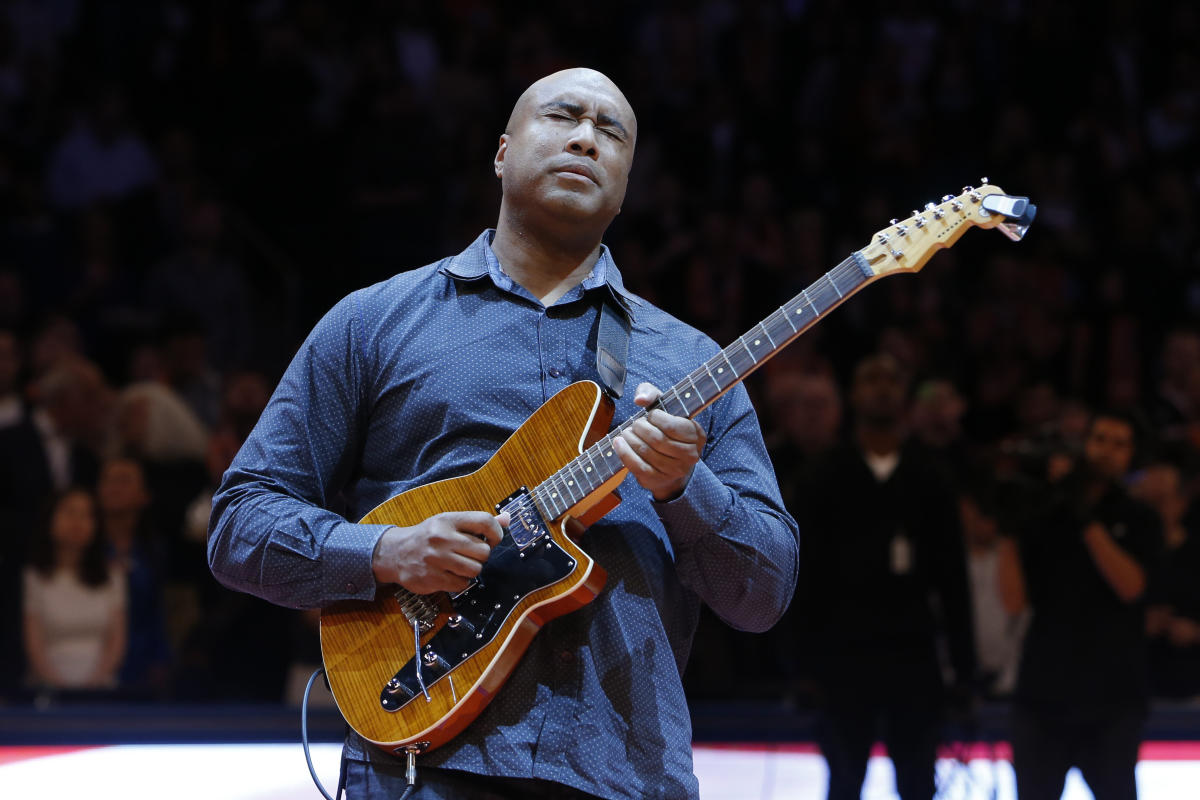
(410, 773)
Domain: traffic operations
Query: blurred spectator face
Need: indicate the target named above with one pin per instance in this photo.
(10, 362)
(1108, 448)
(1181, 354)
(937, 413)
(133, 423)
(246, 395)
(122, 487)
(77, 397)
(806, 407)
(58, 341)
(73, 523)
(878, 392)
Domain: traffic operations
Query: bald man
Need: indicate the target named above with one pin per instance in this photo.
(423, 377)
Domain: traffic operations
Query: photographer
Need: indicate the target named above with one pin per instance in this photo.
(1080, 562)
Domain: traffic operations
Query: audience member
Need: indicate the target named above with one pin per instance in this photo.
(881, 537)
(1079, 560)
(136, 551)
(74, 602)
(1173, 617)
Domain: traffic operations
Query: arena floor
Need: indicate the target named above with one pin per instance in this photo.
(1168, 771)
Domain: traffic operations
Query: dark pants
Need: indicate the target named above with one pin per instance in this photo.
(386, 782)
(1105, 750)
(847, 729)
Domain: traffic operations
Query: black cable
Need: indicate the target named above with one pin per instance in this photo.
(304, 734)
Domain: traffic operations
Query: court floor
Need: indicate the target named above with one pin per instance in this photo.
(1168, 771)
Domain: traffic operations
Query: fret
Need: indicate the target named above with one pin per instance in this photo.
(729, 364)
(788, 316)
(847, 275)
(708, 371)
(763, 326)
(778, 330)
(693, 397)
(672, 396)
(811, 304)
(834, 285)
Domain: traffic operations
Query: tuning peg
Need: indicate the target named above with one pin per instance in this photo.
(930, 206)
(947, 198)
(957, 205)
(983, 181)
(920, 223)
(966, 189)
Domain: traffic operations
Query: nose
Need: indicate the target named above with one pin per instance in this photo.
(583, 139)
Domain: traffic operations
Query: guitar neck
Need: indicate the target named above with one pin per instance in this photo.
(701, 388)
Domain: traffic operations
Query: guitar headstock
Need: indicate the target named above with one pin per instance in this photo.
(905, 245)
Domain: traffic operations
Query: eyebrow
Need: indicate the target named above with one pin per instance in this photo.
(577, 110)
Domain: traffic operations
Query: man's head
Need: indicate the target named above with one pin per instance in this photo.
(1109, 445)
(879, 391)
(565, 155)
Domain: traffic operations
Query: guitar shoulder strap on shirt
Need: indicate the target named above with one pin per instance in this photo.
(612, 348)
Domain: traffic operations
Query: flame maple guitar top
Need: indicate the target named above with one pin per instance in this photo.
(364, 643)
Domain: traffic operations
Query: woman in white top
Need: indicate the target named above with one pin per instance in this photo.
(74, 604)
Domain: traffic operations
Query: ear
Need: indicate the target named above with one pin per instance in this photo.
(498, 163)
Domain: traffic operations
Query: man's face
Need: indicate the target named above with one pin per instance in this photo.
(1108, 448)
(878, 392)
(568, 149)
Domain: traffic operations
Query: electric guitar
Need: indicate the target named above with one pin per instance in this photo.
(410, 671)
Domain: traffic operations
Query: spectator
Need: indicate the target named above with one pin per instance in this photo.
(882, 536)
(136, 552)
(1080, 561)
(101, 158)
(12, 406)
(74, 602)
(1173, 617)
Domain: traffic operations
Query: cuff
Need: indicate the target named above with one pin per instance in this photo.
(346, 572)
(704, 507)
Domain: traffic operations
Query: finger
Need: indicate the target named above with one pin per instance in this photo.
(680, 429)
(460, 565)
(646, 394)
(479, 523)
(629, 457)
(470, 546)
(654, 442)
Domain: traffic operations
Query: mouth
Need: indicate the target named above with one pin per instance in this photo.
(582, 170)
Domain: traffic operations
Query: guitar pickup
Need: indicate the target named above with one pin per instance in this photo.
(525, 523)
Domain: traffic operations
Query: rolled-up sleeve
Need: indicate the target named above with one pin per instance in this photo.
(271, 533)
(736, 546)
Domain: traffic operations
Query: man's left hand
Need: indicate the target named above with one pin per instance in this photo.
(661, 449)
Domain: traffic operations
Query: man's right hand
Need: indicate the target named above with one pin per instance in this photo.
(441, 554)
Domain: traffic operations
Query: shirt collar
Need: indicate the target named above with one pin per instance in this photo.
(479, 261)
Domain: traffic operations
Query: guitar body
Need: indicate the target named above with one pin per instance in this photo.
(366, 644)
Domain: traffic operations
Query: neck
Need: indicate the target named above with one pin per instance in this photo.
(547, 266)
(879, 440)
(120, 527)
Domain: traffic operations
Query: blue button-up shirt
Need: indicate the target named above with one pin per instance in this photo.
(423, 377)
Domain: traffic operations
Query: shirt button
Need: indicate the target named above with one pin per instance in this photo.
(555, 372)
(351, 588)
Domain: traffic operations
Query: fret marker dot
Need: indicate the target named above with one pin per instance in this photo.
(608, 454)
(687, 394)
(720, 370)
(570, 483)
(799, 310)
(554, 494)
(756, 342)
(589, 469)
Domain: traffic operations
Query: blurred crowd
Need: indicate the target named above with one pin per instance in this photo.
(185, 186)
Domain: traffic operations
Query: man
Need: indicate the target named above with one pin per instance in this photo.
(883, 550)
(423, 377)
(1080, 563)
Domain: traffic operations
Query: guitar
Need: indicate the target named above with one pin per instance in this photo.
(410, 671)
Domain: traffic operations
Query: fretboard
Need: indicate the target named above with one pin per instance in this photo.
(687, 398)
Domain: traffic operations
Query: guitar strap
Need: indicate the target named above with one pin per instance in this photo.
(612, 348)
